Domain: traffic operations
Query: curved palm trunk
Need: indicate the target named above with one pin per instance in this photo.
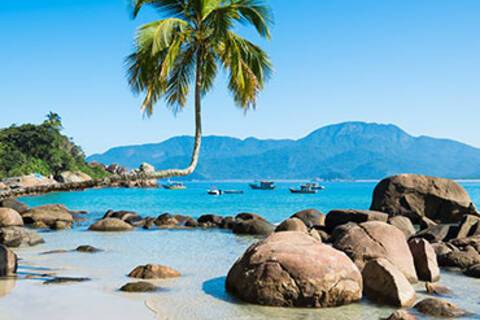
(130, 176)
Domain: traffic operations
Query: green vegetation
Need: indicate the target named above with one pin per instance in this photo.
(188, 48)
(41, 149)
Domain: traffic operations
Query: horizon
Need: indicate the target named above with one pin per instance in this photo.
(332, 64)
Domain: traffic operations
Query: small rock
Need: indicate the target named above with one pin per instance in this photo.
(473, 271)
(292, 224)
(19, 236)
(87, 249)
(425, 260)
(384, 283)
(62, 280)
(140, 286)
(110, 225)
(435, 288)
(401, 315)
(439, 308)
(154, 271)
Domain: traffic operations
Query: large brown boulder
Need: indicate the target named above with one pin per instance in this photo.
(153, 271)
(18, 237)
(459, 259)
(384, 283)
(404, 224)
(10, 217)
(253, 227)
(110, 225)
(292, 224)
(337, 217)
(416, 196)
(312, 218)
(439, 308)
(374, 239)
(8, 261)
(14, 204)
(49, 214)
(121, 214)
(292, 269)
(425, 260)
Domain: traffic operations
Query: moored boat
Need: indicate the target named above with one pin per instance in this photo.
(174, 186)
(263, 185)
(304, 189)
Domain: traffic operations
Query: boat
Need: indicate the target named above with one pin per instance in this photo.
(316, 186)
(174, 186)
(263, 185)
(304, 189)
(215, 192)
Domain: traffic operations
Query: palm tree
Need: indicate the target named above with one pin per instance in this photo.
(54, 120)
(188, 48)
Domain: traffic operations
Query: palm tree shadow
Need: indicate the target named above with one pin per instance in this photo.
(216, 288)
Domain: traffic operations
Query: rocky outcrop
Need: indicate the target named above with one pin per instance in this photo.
(14, 237)
(154, 271)
(10, 218)
(404, 224)
(439, 308)
(49, 214)
(110, 225)
(375, 239)
(384, 283)
(73, 176)
(292, 269)
(312, 218)
(292, 224)
(8, 261)
(416, 196)
(425, 260)
(336, 218)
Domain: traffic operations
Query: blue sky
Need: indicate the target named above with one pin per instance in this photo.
(409, 62)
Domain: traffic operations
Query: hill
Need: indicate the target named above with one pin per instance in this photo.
(351, 150)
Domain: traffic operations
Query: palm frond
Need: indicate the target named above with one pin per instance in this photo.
(174, 8)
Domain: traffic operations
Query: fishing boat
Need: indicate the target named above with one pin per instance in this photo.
(304, 189)
(174, 186)
(215, 192)
(263, 185)
(316, 186)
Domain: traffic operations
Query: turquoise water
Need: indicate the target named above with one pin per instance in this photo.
(202, 256)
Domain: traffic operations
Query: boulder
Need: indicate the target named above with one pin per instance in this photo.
(459, 259)
(404, 224)
(253, 227)
(425, 260)
(292, 269)
(73, 176)
(244, 216)
(438, 233)
(87, 249)
(439, 308)
(374, 239)
(48, 214)
(8, 261)
(384, 283)
(437, 289)
(469, 226)
(473, 271)
(110, 224)
(14, 204)
(63, 280)
(336, 218)
(10, 217)
(141, 286)
(315, 234)
(210, 220)
(18, 237)
(425, 223)
(153, 271)
(228, 223)
(292, 224)
(401, 315)
(312, 218)
(441, 248)
(166, 219)
(415, 196)
(122, 215)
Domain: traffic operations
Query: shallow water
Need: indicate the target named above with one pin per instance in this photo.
(203, 258)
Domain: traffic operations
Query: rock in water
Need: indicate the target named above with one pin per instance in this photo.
(49, 214)
(8, 261)
(10, 218)
(375, 239)
(14, 204)
(425, 260)
(439, 308)
(435, 288)
(473, 271)
(154, 271)
(404, 224)
(292, 224)
(110, 224)
(401, 315)
(253, 227)
(87, 249)
(312, 218)
(336, 218)
(141, 286)
(416, 196)
(292, 269)
(384, 283)
(19, 236)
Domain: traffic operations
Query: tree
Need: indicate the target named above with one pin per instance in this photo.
(54, 120)
(188, 48)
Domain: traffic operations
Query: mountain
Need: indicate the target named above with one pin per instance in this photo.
(350, 150)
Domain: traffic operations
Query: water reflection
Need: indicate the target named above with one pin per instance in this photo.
(7, 285)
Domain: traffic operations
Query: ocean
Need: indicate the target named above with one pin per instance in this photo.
(202, 256)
